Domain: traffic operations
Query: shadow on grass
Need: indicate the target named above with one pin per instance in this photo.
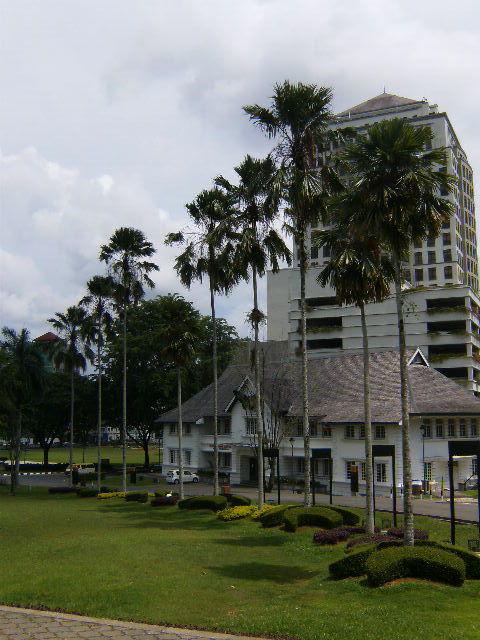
(167, 518)
(253, 541)
(261, 571)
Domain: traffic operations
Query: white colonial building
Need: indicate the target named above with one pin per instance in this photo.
(440, 410)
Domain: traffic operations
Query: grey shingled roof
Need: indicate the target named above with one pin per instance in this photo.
(336, 391)
(383, 101)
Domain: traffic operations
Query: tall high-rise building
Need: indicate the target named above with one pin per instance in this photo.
(442, 306)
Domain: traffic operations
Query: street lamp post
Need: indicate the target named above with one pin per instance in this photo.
(292, 440)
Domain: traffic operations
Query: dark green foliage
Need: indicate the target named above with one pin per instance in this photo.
(214, 503)
(428, 563)
(274, 517)
(238, 501)
(62, 490)
(164, 501)
(164, 492)
(418, 534)
(352, 564)
(312, 516)
(375, 539)
(350, 518)
(136, 496)
(87, 493)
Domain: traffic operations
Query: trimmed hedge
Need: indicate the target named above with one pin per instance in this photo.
(375, 539)
(62, 490)
(313, 516)
(350, 518)
(334, 536)
(164, 501)
(418, 534)
(238, 501)
(274, 516)
(353, 564)
(214, 503)
(87, 493)
(428, 563)
(136, 496)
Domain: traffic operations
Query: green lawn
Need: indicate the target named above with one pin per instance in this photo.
(135, 455)
(130, 561)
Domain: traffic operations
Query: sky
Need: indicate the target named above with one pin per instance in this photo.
(118, 113)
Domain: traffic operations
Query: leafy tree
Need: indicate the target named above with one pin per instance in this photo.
(298, 117)
(209, 254)
(98, 302)
(399, 185)
(22, 373)
(259, 245)
(179, 333)
(359, 274)
(70, 354)
(125, 256)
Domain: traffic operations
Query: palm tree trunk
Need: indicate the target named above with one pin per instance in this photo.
(406, 456)
(216, 486)
(369, 517)
(99, 427)
(72, 405)
(303, 322)
(15, 463)
(124, 402)
(258, 402)
(180, 433)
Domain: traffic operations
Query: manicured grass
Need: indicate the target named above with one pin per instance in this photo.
(114, 454)
(165, 565)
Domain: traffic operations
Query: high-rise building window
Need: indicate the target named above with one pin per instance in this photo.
(446, 238)
(418, 258)
(447, 255)
(417, 244)
(418, 275)
(448, 273)
(432, 273)
(432, 257)
(430, 242)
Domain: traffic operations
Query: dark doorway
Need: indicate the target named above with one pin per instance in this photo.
(253, 469)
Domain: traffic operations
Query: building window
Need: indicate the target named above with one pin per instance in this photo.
(447, 255)
(432, 273)
(349, 432)
(300, 465)
(430, 242)
(418, 258)
(448, 272)
(432, 257)
(426, 428)
(326, 252)
(187, 429)
(326, 432)
(348, 465)
(172, 429)
(473, 428)
(446, 238)
(313, 429)
(418, 275)
(417, 244)
(362, 432)
(225, 460)
(427, 471)
(314, 253)
(451, 431)
(173, 456)
(439, 428)
(224, 427)
(363, 470)
(381, 471)
(380, 432)
(187, 457)
(462, 429)
(251, 425)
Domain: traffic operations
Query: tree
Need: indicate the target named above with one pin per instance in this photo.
(400, 188)
(257, 197)
(359, 274)
(125, 256)
(22, 373)
(98, 302)
(70, 354)
(209, 254)
(179, 334)
(298, 117)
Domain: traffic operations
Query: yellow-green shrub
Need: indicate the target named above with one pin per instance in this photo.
(111, 494)
(259, 513)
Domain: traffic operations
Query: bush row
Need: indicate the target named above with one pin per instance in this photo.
(214, 503)
(316, 516)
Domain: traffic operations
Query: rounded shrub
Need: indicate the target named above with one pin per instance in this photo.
(274, 517)
(312, 516)
(214, 503)
(62, 490)
(428, 563)
(83, 492)
(136, 496)
(238, 501)
(164, 501)
(349, 517)
(353, 564)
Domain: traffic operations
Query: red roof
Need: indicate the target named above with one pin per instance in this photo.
(47, 337)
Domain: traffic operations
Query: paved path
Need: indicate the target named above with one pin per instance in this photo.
(28, 624)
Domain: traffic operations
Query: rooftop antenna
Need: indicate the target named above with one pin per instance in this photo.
(384, 89)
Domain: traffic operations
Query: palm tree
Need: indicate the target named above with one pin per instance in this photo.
(98, 301)
(298, 116)
(359, 274)
(70, 354)
(22, 376)
(259, 246)
(125, 256)
(208, 255)
(399, 185)
(180, 333)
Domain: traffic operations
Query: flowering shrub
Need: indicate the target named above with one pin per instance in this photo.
(111, 494)
(236, 513)
(258, 513)
(380, 537)
(418, 534)
(333, 536)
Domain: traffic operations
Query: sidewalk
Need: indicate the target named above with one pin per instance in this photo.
(28, 624)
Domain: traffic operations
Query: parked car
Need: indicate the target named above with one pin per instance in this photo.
(83, 469)
(173, 476)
